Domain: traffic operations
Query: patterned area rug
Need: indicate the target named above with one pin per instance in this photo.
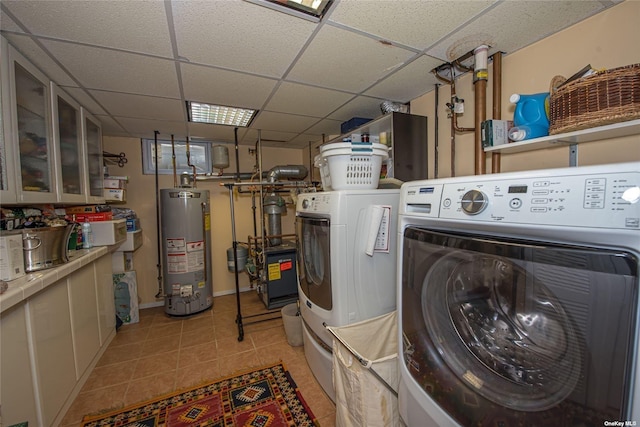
(266, 397)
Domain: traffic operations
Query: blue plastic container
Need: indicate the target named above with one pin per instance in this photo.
(532, 114)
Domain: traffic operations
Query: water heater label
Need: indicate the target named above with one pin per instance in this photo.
(195, 256)
(176, 256)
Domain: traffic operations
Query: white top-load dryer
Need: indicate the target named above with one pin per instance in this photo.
(347, 265)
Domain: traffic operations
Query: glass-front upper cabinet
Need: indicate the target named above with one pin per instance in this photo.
(67, 135)
(7, 164)
(92, 135)
(31, 130)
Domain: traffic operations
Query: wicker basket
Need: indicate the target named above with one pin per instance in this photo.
(608, 97)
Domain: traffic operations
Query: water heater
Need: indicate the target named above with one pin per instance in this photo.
(186, 250)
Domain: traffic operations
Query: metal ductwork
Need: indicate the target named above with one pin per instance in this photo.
(273, 204)
(287, 172)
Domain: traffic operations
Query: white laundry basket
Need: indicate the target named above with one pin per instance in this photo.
(365, 372)
(323, 166)
(353, 165)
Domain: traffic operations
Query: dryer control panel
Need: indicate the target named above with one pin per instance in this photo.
(586, 197)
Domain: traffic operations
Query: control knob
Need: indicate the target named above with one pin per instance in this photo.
(305, 203)
(474, 202)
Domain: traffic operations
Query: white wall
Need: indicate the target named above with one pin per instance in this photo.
(141, 198)
(607, 40)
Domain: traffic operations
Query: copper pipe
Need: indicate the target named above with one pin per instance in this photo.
(455, 115)
(453, 140)
(480, 116)
(497, 104)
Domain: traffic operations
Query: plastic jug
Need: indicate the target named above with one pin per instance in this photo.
(531, 116)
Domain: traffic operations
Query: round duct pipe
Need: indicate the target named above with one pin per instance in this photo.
(273, 204)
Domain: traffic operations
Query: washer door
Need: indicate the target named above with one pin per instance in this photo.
(505, 334)
(518, 331)
(314, 259)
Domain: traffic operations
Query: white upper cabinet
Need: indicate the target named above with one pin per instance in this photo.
(92, 137)
(7, 164)
(51, 147)
(31, 131)
(71, 181)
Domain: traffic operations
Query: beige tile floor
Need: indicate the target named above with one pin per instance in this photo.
(162, 354)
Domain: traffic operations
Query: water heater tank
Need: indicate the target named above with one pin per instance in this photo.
(186, 250)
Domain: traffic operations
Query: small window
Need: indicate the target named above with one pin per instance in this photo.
(199, 153)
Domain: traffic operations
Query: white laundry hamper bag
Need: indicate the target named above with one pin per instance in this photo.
(365, 372)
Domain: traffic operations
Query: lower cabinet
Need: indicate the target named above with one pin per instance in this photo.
(51, 341)
(53, 348)
(106, 303)
(84, 317)
(17, 394)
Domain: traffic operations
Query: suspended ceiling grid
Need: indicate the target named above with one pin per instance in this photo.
(134, 63)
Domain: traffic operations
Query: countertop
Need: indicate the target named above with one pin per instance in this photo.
(30, 284)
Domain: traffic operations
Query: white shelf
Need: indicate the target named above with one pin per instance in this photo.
(600, 133)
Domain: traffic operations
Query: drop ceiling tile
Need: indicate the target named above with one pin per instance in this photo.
(8, 24)
(356, 61)
(362, 106)
(306, 100)
(269, 120)
(512, 25)
(216, 86)
(140, 106)
(139, 26)
(40, 58)
(238, 35)
(117, 71)
(110, 127)
(328, 127)
(144, 128)
(415, 23)
(86, 100)
(409, 83)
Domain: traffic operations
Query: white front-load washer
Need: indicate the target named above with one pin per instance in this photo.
(518, 298)
(347, 266)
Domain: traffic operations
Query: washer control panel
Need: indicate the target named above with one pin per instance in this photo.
(316, 203)
(609, 199)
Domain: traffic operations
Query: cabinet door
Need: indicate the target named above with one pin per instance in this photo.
(53, 348)
(92, 135)
(106, 304)
(84, 317)
(7, 162)
(68, 146)
(18, 397)
(30, 102)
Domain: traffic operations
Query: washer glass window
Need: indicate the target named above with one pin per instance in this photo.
(518, 328)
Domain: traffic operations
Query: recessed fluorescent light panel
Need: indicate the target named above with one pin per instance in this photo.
(219, 114)
(312, 10)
